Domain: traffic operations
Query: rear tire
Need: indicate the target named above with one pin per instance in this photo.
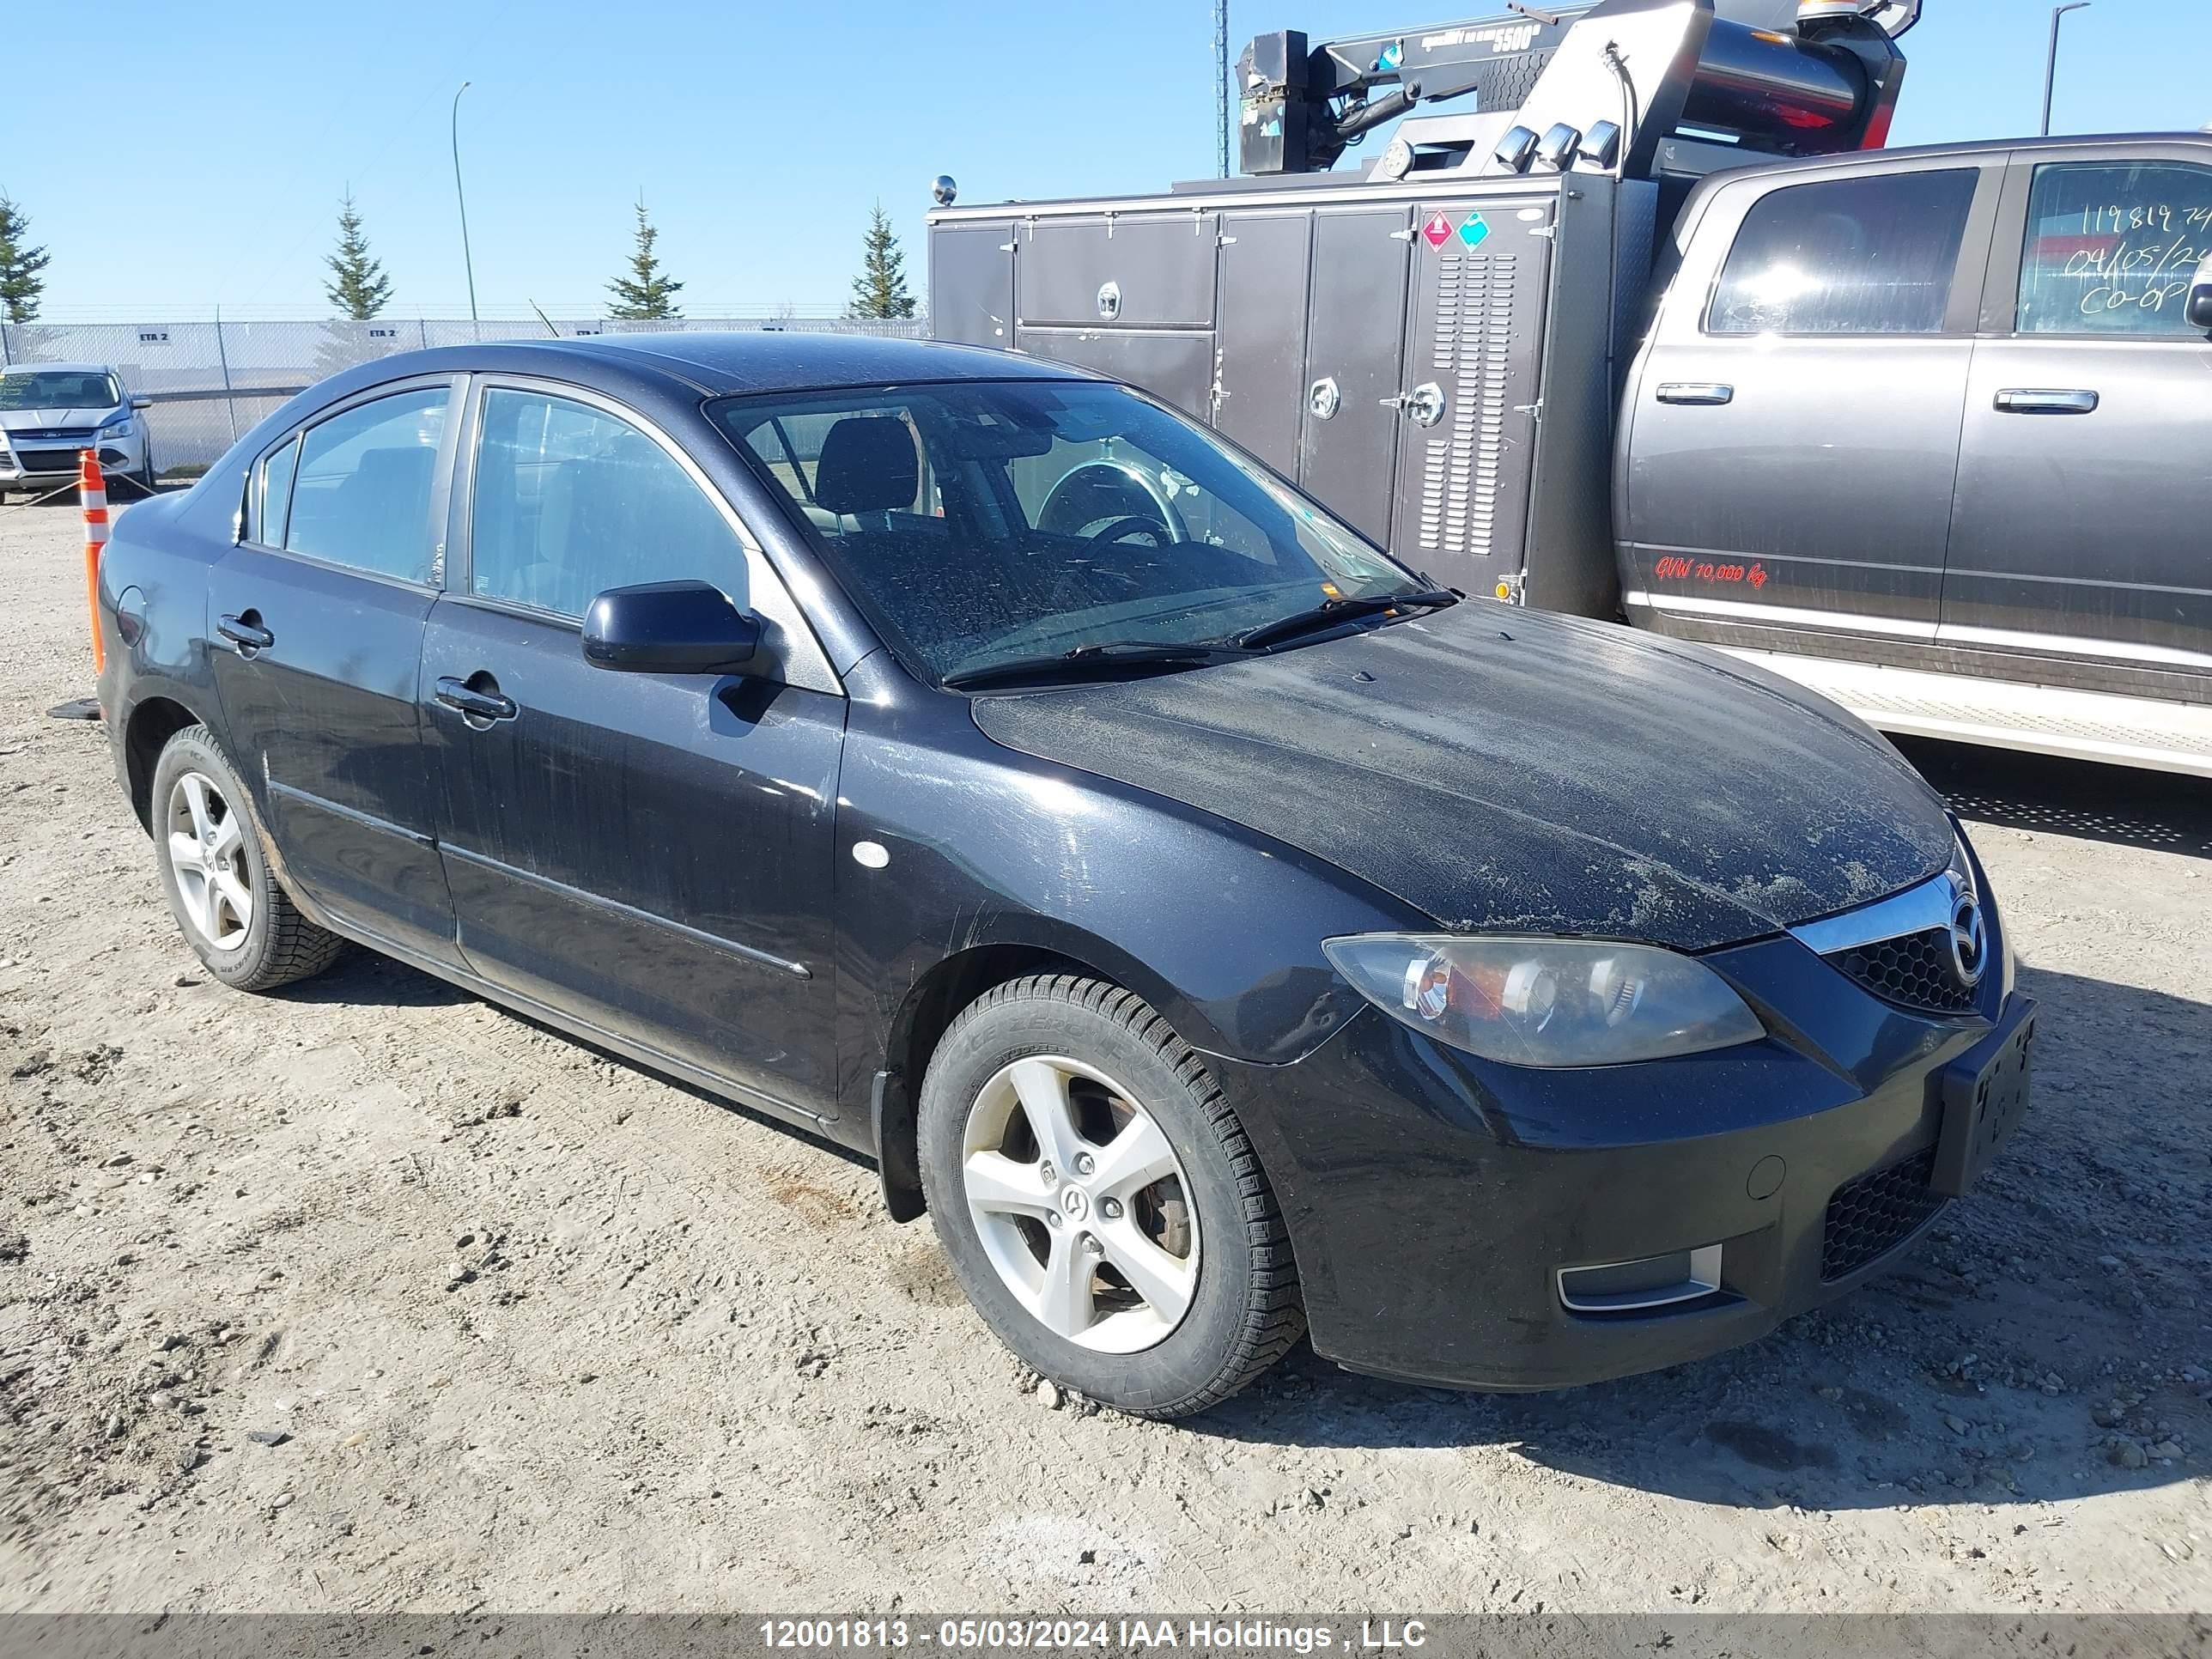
(1101, 1205)
(215, 870)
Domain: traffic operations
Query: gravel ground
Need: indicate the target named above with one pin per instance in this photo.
(370, 1295)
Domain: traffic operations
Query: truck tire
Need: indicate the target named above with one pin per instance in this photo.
(1102, 1206)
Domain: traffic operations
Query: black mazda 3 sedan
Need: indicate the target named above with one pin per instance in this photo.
(1221, 932)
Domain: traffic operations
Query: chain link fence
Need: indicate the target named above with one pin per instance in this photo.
(210, 381)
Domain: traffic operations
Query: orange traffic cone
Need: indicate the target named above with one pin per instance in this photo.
(92, 495)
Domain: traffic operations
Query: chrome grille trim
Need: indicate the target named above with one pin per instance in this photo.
(1915, 910)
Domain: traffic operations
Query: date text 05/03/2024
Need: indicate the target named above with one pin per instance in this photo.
(1242, 1635)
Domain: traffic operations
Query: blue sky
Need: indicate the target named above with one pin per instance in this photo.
(192, 157)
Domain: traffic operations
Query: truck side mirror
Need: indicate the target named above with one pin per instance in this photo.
(2200, 296)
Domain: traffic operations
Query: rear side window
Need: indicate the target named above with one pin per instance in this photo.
(361, 496)
(570, 501)
(1847, 256)
(2112, 247)
(272, 495)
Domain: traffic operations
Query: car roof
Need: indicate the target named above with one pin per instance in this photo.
(727, 364)
(773, 360)
(1974, 150)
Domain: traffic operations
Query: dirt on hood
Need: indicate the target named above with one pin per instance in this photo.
(1505, 769)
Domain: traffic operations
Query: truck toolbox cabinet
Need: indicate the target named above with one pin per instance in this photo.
(1387, 352)
(1154, 269)
(1175, 368)
(971, 282)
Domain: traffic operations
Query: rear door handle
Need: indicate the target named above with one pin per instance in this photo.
(2023, 400)
(1695, 392)
(247, 637)
(475, 704)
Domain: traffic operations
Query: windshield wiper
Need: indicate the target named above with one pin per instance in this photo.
(1330, 613)
(1093, 662)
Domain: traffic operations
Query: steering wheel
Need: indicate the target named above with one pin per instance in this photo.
(1139, 528)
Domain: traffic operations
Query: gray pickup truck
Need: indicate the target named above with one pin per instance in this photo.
(1669, 335)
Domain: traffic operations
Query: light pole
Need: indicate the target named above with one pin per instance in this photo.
(2050, 64)
(1221, 85)
(467, 262)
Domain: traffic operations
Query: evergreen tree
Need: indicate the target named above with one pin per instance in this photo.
(648, 293)
(21, 285)
(880, 289)
(359, 288)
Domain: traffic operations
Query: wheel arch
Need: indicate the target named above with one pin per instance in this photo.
(930, 1006)
(152, 721)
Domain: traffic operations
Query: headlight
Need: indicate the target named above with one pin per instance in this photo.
(117, 427)
(1547, 1001)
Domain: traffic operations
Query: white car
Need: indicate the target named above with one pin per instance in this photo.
(50, 412)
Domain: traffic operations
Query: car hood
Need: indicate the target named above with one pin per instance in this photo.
(1509, 770)
(49, 420)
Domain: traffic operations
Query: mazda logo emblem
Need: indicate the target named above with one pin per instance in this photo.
(1969, 953)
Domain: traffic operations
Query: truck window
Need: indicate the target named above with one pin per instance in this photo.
(1847, 256)
(2112, 247)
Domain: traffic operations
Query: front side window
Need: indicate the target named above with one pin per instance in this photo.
(570, 501)
(1847, 256)
(59, 388)
(2112, 247)
(362, 493)
(984, 523)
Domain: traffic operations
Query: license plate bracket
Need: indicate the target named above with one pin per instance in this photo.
(1985, 1093)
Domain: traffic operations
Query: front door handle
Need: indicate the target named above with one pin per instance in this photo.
(1695, 392)
(2023, 400)
(246, 633)
(475, 706)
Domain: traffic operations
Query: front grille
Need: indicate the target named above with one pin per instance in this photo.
(54, 435)
(1873, 1215)
(47, 460)
(1914, 970)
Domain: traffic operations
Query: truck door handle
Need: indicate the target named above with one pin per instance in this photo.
(1424, 405)
(2020, 400)
(476, 706)
(246, 633)
(1695, 392)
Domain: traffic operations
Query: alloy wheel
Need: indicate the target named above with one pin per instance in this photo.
(1081, 1205)
(206, 846)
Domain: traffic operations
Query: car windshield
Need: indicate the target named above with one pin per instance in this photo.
(58, 388)
(987, 523)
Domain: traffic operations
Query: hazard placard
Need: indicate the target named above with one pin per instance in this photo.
(1474, 229)
(1435, 230)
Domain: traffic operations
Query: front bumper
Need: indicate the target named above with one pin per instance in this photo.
(1434, 1199)
(35, 465)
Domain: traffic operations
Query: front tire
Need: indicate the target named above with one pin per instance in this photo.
(1101, 1205)
(215, 863)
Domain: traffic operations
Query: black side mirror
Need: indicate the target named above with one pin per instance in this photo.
(2200, 296)
(670, 628)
